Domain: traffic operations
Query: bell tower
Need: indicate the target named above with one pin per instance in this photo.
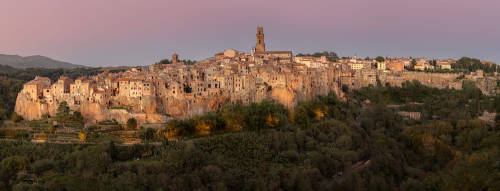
(175, 58)
(260, 46)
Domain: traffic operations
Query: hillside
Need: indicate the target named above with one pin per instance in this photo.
(322, 144)
(34, 62)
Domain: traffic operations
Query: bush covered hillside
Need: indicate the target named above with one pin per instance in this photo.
(323, 144)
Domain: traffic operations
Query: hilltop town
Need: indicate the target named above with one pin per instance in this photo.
(162, 91)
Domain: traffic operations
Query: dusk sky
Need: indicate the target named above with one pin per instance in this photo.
(140, 32)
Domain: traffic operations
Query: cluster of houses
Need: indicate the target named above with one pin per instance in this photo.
(399, 64)
(230, 77)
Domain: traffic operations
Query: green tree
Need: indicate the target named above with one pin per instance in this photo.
(62, 112)
(3, 114)
(330, 56)
(164, 61)
(131, 123)
(10, 166)
(147, 134)
(473, 64)
(434, 62)
(413, 63)
(380, 59)
(77, 117)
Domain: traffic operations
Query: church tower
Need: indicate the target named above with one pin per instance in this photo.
(175, 58)
(260, 46)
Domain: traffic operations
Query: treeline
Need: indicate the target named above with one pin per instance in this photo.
(473, 64)
(168, 61)
(9, 87)
(322, 144)
(54, 74)
(330, 56)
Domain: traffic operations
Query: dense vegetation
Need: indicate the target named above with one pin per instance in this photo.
(434, 104)
(168, 61)
(379, 59)
(322, 144)
(330, 56)
(473, 64)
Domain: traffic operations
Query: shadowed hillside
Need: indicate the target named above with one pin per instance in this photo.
(34, 62)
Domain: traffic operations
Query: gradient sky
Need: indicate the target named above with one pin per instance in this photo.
(140, 32)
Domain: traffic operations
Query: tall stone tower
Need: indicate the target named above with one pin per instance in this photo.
(260, 46)
(175, 58)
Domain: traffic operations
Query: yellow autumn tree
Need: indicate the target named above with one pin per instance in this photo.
(320, 113)
(82, 136)
(272, 121)
(170, 132)
(203, 127)
(41, 136)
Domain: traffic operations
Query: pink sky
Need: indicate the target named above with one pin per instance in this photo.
(138, 32)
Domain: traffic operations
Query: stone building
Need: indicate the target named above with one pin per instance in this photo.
(34, 89)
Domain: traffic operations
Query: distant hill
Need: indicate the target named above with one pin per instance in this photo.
(34, 62)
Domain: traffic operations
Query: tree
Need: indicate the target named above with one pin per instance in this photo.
(164, 61)
(147, 134)
(188, 62)
(170, 131)
(82, 136)
(330, 56)
(131, 123)
(203, 127)
(77, 116)
(434, 62)
(15, 117)
(62, 112)
(272, 121)
(3, 114)
(413, 63)
(10, 166)
(473, 64)
(50, 129)
(113, 152)
(379, 59)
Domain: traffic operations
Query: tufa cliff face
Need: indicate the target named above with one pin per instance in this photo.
(152, 95)
(30, 109)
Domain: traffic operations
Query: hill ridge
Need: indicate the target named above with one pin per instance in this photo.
(35, 61)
